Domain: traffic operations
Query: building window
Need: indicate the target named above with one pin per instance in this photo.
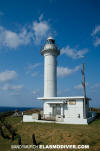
(72, 102)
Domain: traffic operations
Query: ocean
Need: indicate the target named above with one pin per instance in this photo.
(6, 108)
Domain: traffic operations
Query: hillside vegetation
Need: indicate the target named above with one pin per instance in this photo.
(52, 133)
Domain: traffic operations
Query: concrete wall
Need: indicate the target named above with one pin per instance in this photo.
(75, 121)
(28, 118)
(70, 110)
(72, 120)
(47, 108)
(74, 110)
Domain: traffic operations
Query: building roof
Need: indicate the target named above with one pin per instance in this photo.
(63, 98)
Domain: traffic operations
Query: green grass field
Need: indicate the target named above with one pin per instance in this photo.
(51, 133)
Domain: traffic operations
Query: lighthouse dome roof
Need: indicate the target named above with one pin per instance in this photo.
(50, 38)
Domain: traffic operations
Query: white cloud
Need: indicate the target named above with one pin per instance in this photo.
(12, 87)
(64, 71)
(41, 29)
(7, 75)
(12, 39)
(36, 93)
(33, 66)
(97, 42)
(79, 86)
(97, 85)
(14, 93)
(41, 17)
(74, 53)
(35, 32)
(96, 30)
(34, 74)
(96, 36)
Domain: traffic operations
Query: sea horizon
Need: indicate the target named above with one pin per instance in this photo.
(13, 108)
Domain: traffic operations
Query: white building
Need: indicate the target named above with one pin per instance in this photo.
(65, 110)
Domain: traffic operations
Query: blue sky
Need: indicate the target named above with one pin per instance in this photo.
(24, 27)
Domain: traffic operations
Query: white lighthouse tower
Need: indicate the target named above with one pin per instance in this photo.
(62, 109)
(50, 53)
(65, 110)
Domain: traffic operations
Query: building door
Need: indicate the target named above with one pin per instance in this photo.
(56, 109)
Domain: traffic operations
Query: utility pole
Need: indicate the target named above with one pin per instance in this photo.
(84, 92)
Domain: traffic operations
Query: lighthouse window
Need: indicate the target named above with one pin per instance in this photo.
(72, 102)
(50, 41)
